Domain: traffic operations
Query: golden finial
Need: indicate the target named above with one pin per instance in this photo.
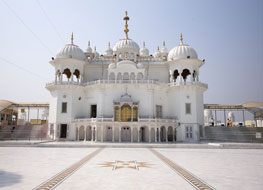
(181, 38)
(72, 38)
(126, 18)
(163, 43)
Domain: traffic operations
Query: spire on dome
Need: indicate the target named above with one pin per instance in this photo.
(163, 43)
(143, 44)
(72, 38)
(109, 44)
(181, 39)
(158, 49)
(126, 18)
(89, 44)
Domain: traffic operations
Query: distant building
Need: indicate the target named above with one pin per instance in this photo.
(126, 94)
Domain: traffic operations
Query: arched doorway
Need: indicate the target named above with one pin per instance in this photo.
(81, 133)
(126, 113)
(126, 134)
(88, 133)
(170, 134)
(163, 134)
(152, 135)
(108, 134)
(144, 134)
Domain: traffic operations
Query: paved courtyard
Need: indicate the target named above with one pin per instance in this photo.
(130, 168)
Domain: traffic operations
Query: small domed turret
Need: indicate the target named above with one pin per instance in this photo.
(108, 51)
(96, 54)
(89, 49)
(71, 51)
(158, 53)
(144, 51)
(183, 51)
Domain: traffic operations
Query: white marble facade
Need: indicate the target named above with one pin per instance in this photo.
(126, 94)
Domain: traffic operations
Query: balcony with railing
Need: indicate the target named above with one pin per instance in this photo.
(152, 82)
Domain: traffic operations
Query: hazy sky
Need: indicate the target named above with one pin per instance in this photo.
(227, 34)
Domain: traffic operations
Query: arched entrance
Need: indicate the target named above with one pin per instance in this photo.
(170, 134)
(88, 133)
(163, 134)
(126, 134)
(144, 134)
(81, 133)
(108, 134)
(152, 135)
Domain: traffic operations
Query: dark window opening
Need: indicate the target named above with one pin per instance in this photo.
(63, 131)
(93, 112)
(64, 107)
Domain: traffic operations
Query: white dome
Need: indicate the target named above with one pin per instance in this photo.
(158, 53)
(108, 51)
(164, 50)
(144, 51)
(71, 51)
(182, 52)
(126, 45)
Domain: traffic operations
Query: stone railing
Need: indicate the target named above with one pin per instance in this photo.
(111, 119)
(96, 82)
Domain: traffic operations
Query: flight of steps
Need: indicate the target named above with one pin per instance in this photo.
(24, 132)
(233, 134)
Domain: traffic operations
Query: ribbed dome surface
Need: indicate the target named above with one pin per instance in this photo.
(71, 51)
(126, 44)
(144, 52)
(182, 52)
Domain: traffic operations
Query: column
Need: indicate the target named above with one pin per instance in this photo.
(85, 135)
(102, 133)
(159, 134)
(56, 78)
(155, 134)
(113, 134)
(131, 113)
(215, 121)
(150, 134)
(174, 130)
(119, 134)
(132, 134)
(92, 133)
(96, 133)
(225, 117)
(78, 133)
(138, 129)
(166, 128)
(243, 117)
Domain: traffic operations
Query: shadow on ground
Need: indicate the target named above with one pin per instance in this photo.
(9, 178)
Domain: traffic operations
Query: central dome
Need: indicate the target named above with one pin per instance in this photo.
(183, 51)
(71, 51)
(126, 45)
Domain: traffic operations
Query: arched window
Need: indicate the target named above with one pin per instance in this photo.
(139, 76)
(126, 113)
(176, 74)
(125, 76)
(112, 76)
(134, 113)
(76, 74)
(185, 73)
(117, 113)
(132, 77)
(119, 76)
(67, 73)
